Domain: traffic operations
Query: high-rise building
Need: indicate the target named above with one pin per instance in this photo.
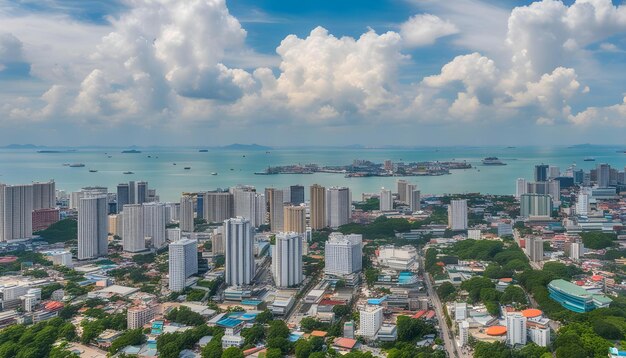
(457, 215)
(141, 192)
(297, 194)
(534, 248)
(603, 172)
(295, 219)
(155, 223)
(521, 187)
(582, 204)
(133, 236)
(249, 204)
(43, 218)
(138, 316)
(183, 262)
(553, 172)
(371, 319)
(541, 172)
(338, 206)
(218, 206)
(275, 205)
(92, 227)
(123, 196)
(574, 250)
(318, 207)
(44, 195)
(535, 206)
(540, 187)
(402, 190)
(16, 212)
(386, 200)
(186, 213)
(554, 190)
(515, 329)
(217, 241)
(287, 259)
(463, 333)
(239, 252)
(540, 335)
(114, 222)
(343, 254)
(414, 199)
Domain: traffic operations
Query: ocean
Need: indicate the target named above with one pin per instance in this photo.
(238, 167)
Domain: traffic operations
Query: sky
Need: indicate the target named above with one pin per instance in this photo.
(324, 72)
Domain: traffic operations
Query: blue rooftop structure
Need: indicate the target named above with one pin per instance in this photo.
(376, 301)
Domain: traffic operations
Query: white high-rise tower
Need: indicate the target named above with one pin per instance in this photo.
(186, 213)
(92, 227)
(133, 237)
(338, 206)
(16, 212)
(154, 223)
(183, 262)
(239, 251)
(287, 259)
(457, 215)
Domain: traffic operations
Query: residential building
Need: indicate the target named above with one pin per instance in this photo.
(371, 319)
(521, 187)
(239, 252)
(186, 213)
(275, 205)
(44, 218)
(138, 316)
(44, 195)
(16, 212)
(183, 262)
(287, 259)
(386, 200)
(515, 329)
(297, 194)
(295, 219)
(154, 222)
(457, 215)
(338, 206)
(534, 248)
(218, 206)
(92, 227)
(401, 186)
(318, 207)
(133, 236)
(249, 204)
(535, 206)
(343, 254)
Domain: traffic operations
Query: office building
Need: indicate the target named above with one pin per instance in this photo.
(386, 200)
(536, 206)
(457, 215)
(287, 259)
(16, 212)
(218, 206)
(371, 318)
(133, 234)
(239, 251)
(44, 195)
(541, 172)
(296, 193)
(583, 206)
(553, 172)
(338, 206)
(123, 196)
(186, 219)
(183, 262)
(540, 187)
(249, 204)
(343, 254)
(154, 223)
(295, 219)
(318, 207)
(603, 172)
(574, 250)
(274, 198)
(554, 190)
(141, 192)
(521, 187)
(402, 190)
(92, 227)
(515, 329)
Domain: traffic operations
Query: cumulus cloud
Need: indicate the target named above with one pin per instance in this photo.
(425, 29)
(10, 50)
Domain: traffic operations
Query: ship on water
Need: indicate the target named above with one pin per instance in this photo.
(590, 159)
(77, 165)
(493, 161)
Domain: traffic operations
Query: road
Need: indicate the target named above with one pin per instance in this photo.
(447, 336)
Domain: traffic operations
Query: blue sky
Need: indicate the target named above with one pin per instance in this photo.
(313, 72)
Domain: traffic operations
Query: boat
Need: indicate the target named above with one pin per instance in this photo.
(232, 169)
(129, 173)
(93, 171)
(77, 165)
(149, 156)
(492, 161)
(110, 156)
(203, 150)
(589, 159)
(214, 173)
(187, 168)
(173, 163)
(131, 151)
(66, 164)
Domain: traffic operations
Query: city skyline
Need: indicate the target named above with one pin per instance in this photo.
(120, 73)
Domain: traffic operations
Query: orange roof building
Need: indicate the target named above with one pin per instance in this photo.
(319, 334)
(496, 331)
(531, 313)
(344, 343)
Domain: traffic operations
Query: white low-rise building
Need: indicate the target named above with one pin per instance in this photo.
(398, 258)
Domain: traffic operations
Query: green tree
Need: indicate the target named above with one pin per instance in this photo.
(446, 291)
(303, 348)
(232, 352)
(513, 294)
